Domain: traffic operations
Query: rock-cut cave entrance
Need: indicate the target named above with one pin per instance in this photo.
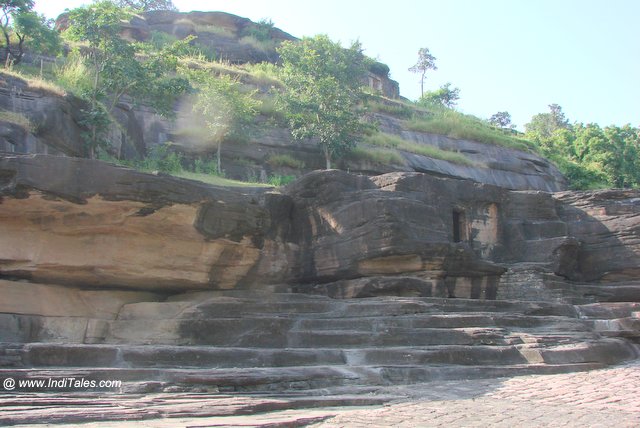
(459, 226)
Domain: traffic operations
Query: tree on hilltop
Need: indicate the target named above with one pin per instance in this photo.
(426, 62)
(502, 119)
(322, 91)
(543, 125)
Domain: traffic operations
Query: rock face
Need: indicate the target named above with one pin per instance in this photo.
(84, 222)
(54, 118)
(174, 285)
(75, 221)
(227, 36)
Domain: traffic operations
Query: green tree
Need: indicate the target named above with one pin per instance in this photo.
(147, 5)
(445, 96)
(426, 62)
(225, 108)
(8, 10)
(37, 32)
(323, 84)
(502, 119)
(543, 125)
(116, 70)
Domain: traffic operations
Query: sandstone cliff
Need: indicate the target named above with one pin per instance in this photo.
(76, 221)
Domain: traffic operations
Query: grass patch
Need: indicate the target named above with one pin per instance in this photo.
(389, 141)
(465, 127)
(18, 119)
(386, 157)
(392, 108)
(36, 83)
(267, 45)
(217, 180)
(285, 160)
(264, 74)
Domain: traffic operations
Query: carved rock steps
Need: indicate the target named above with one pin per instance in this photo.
(252, 342)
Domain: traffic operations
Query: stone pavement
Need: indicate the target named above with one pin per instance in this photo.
(602, 398)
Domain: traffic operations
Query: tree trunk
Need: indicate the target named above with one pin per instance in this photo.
(327, 157)
(422, 86)
(218, 157)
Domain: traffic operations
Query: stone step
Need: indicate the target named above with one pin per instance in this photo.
(174, 408)
(288, 332)
(278, 379)
(446, 320)
(606, 310)
(224, 306)
(61, 355)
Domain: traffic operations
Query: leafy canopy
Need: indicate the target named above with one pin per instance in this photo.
(426, 62)
(226, 110)
(118, 68)
(445, 96)
(19, 25)
(147, 5)
(588, 155)
(502, 119)
(322, 91)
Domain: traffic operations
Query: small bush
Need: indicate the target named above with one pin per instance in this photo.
(161, 158)
(379, 68)
(285, 160)
(210, 167)
(160, 39)
(261, 30)
(264, 74)
(74, 75)
(280, 180)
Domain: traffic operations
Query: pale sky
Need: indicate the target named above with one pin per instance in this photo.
(514, 55)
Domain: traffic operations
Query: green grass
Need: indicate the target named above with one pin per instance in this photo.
(386, 157)
(285, 160)
(18, 119)
(392, 108)
(217, 180)
(259, 45)
(465, 127)
(389, 141)
(264, 74)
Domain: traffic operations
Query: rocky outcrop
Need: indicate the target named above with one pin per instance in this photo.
(50, 119)
(86, 222)
(76, 221)
(173, 285)
(607, 226)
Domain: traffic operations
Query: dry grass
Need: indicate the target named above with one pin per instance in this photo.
(17, 119)
(36, 83)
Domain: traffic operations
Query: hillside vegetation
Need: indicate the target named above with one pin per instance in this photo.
(318, 90)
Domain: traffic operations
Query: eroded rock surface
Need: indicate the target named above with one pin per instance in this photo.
(75, 221)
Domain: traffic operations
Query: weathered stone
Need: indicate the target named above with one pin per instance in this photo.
(85, 222)
(55, 118)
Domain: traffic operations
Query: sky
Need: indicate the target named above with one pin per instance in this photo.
(504, 55)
